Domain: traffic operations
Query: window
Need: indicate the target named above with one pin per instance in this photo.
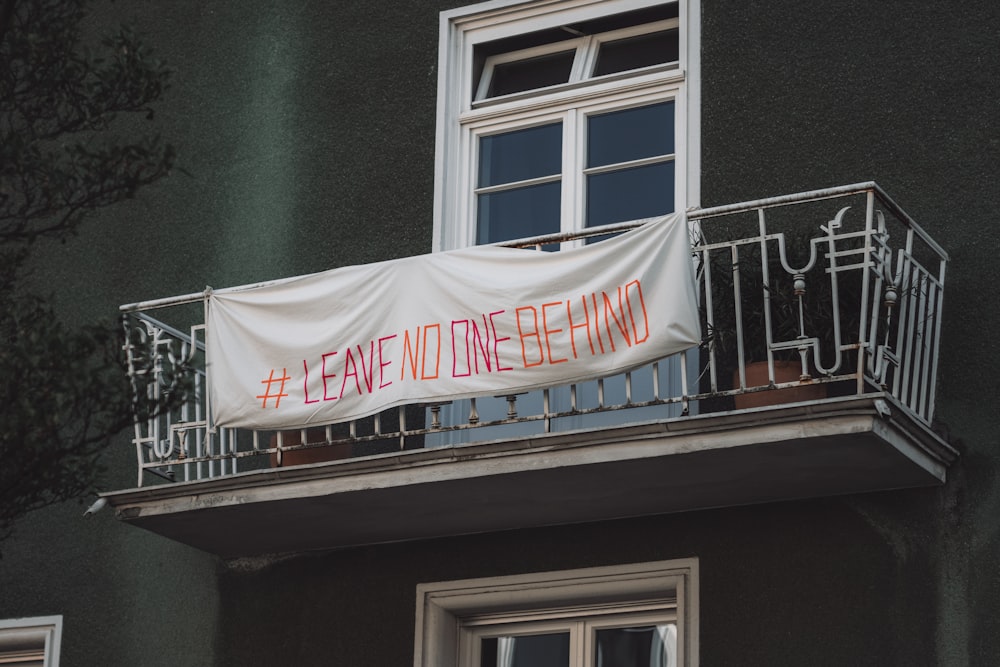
(602, 636)
(556, 116)
(559, 116)
(30, 642)
(640, 615)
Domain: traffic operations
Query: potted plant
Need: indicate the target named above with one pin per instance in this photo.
(813, 312)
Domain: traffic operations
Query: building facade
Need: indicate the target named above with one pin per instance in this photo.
(327, 135)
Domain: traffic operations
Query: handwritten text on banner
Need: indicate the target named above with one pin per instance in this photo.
(488, 320)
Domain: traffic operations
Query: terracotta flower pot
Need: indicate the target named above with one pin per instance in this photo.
(334, 452)
(784, 371)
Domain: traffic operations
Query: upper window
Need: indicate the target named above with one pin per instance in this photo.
(559, 116)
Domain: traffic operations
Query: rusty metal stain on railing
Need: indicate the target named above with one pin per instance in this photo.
(853, 313)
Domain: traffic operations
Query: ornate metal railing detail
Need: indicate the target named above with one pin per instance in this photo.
(832, 292)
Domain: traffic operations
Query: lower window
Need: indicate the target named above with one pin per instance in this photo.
(30, 642)
(602, 637)
(639, 615)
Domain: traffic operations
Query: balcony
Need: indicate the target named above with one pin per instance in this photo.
(821, 320)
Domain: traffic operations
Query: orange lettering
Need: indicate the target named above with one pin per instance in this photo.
(609, 309)
(409, 352)
(642, 303)
(548, 332)
(437, 360)
(533, 333)
(585, 325)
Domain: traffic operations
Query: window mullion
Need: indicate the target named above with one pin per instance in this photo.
(585, 645)
(579, 655)
(467, 198)
(570, 185)
(583, 65)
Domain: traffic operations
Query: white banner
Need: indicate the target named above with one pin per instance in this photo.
(487, 320)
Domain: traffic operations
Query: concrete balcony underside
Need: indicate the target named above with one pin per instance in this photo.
(807, 450)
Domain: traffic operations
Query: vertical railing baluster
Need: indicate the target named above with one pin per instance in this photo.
(512, 406)
(685, 390)
(402, 427)
(713, 374)
(734, 254)
(920, 351)
(936, 348)
(546, 410)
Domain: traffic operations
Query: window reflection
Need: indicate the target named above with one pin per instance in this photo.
(551, 650)
(647, 646)
(630, 134)
(630, 194)
(634, 52)
(519, 183)
(522, 75)
(520, 155)
(518, 213)
(619, 187)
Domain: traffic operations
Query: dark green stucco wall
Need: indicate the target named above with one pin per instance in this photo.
(903, 93)
(306, 137)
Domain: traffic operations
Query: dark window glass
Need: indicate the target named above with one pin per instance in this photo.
(518, 213)
(630, 194)
(634, 647)
(521, 75)
(520, 155)
(528, 651)
(622, 55)
(630, 134)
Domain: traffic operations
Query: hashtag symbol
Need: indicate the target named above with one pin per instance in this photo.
(270, 381)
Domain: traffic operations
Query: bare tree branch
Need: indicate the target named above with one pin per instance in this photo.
(64, 154)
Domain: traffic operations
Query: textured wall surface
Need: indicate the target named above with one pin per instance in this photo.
(306, 137)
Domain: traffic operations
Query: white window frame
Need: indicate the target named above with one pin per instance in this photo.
(446, 609)
(584, 61)
(461, 119)
(581, 624)
(34, 639)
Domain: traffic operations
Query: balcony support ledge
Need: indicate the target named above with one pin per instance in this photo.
(820, 448)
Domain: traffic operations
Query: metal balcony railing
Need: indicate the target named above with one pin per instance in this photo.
(803, 297)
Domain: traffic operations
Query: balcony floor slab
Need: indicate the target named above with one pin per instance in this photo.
(806, 450)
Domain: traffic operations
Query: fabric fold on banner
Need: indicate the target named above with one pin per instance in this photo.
(482, 321)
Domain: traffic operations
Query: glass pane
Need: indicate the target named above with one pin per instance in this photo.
(518, 213)
(526, 651)
(634, 52)
(520, 155)
(521, 75)
(630, 194)
(649, 646)
(630, 134)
